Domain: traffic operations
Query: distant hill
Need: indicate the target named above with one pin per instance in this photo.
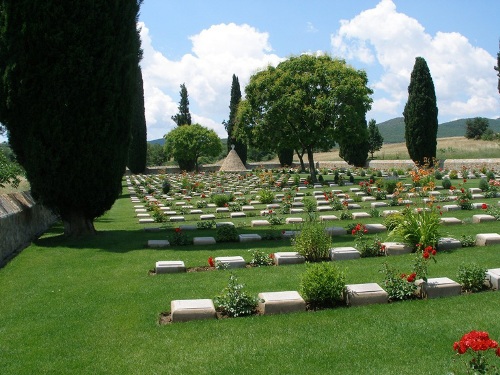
(393, 130)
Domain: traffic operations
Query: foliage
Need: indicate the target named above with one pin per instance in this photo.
(10, 172)
(390, 185)
(273, 218)
(155, 155)
(354, 148)
(226, 233)
(478, 345)
(446, 183)
(234, 301)
(179, 238)
(484, 185)
(420, 115)
(493, 211)
(221, 200)
(72, 138)
(285, 156)
(239, 146)
(467, 240)
(137, 150)
(184, 116)
(313, 243)
(266, 196)
(399, 286)
(474, 128)
(367, 247)
(306, 103)
(192, 142)
(165, 187)
(375, 139)
(393, 220)
(260, 258)
(471, 277)
(310, 205)
(418, 227)
(205, 224)
(464, 199)
(323, 284)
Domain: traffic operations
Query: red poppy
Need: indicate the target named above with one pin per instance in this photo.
(411, 277)
(353, 231)
(428, 249)
(177, 230)
(433, 252)
(484, 206)
(426, 255)
(211, 262)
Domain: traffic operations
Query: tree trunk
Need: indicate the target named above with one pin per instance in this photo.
(312, 168)
(301, 159)
(77, 225)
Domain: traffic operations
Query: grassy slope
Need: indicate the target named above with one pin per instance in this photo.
(89, 306)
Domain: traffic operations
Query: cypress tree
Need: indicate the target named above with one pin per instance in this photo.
(184, 116)
(138, 149)
(497, 68)
(375, 139)
(421, 115)
(68, 80)
(239, 146)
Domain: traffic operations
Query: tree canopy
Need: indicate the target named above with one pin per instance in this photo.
(68, 79)
(375, 139)
(305, 103)
(475, 128)
(421, 115)
(354, 147)
(192, 142)
(184, 116)
(239, 146)
(137, 152)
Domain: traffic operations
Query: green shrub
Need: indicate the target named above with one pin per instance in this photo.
(453, 174)
(322, 285)
(397, 285)
(483, 184)
(313, 243)
(205, 224)
(165, 187)
(393, 220)
(418, 227)
(467, 240)
(446, 183)
(471, 277)
(266, 196)
(260, 258)
(226, 233)
(221, 200)
(438, 175)
(234, 302)
(490, 176)
(390, 185)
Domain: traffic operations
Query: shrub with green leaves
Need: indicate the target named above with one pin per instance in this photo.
(205, 224)
(484, 185)
(260, 258)
(234, 302)
(398, 286)
(266, 196)
(313, 243)
(471, 276)
(221, 200)
(393, 220)
(446, 183)
(467, 240)
(418, 227)
(226, 233)
(323, 284)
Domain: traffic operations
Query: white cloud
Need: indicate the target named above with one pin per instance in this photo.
(311, 28)
(462, 73)
(217, 53)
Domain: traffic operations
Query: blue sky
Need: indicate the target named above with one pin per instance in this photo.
(202, 43)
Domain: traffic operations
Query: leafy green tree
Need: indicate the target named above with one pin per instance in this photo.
(239, 146)
(497, 68)
(354, 148)
(305, 103)
(137, 152)
(285, 156)
(475, 128)
(184, 116)
(192, 142)
(68, 81)
(10, 171)
(375, 139)
(155, 155)
(421, 115)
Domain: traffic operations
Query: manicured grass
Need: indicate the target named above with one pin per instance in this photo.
(89, 306)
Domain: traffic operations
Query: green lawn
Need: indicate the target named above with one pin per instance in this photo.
(90, 307)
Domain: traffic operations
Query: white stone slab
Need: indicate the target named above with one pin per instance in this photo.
(328, 218)
(288, 257)
(272, 206)
(296, 210)
(203, 240)
(360, 215)
(396, 248)
(365, 294)
(237, 214)
(353, 206)
(451, 207)
(231, 262)
(222, 223)
(493, 278)
(196, 212)
(281, 302)
(290, 233)
(192, 309)
(143, 215)
(482, 218)
(158, 243)
(188, 227)
(375, 228)
(294, 220)
(335, 231)
(141, 210)
(485, 239)
(260, 223)
(378, 204)
(221, 209)
(386, 213)
(448, 243)
(344, 253)
(368, 199)
(207, 217)
(250, 237)
(439, 287)
(170, 266)
(247, 208)
(146, 221)
(451, 221)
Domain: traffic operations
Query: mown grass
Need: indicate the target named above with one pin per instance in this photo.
(89, 306)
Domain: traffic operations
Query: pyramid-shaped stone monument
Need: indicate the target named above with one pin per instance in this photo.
(232, 163)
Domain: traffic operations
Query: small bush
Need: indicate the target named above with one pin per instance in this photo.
(234, 302)
(313, 243)
(260, 258)
(226, 233)
(205, 224)
(484, 185)
(322, 285)
(453, 174)
(390, 185)
(397, 285)
(266, 196)
(467, 241)
(221, 200)
(446, 183)
(471, 277)
(393, 220)
(165, 187)
(438, 175)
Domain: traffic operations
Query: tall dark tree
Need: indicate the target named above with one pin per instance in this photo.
(138, 149)
(421, 115)
(67, 86)
(354, 148)
(375, 139)
(183, 117)
(475, 128)
(239, 146)
(497, 68)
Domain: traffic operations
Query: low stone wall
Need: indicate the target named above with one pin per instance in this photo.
(21, 221)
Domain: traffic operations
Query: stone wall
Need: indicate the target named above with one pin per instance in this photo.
(21, 221)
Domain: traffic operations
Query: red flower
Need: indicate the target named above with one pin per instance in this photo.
(177, 230)
(497, 352)
(365, 230)
(270, 211)
(426, 255)
(465, 180)
(475, 340)
(411, 277)
(433, 252)
(428, 249)
(211, 262)
(353, 231)
(271, 255)
(484, 206)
